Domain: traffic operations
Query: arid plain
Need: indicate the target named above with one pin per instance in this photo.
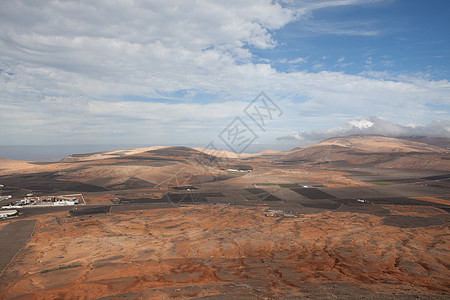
(358, 217)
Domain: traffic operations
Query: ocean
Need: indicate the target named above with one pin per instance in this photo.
(53, 153)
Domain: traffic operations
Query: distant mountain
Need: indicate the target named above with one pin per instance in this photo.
(375, 150)
(156, 150)
(108, 154)
(435, 141)
(378, 143)
(404, 152)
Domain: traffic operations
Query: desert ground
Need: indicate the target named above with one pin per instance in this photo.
(358, 217)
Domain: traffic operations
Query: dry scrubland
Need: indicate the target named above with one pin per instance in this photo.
(204, 250)
(372, 223)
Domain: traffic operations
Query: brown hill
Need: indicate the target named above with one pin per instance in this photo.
(375, 150)
(10, 164)
(435, 141)
(376, 143)
(108, 154)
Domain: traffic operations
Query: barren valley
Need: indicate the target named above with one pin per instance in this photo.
(358, 217)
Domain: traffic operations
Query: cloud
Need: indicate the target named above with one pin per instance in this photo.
(310, 5)
(115, 48)
(310, 24)
(373, 125)
(318, 66)
(341, 28)
(72, 71)
(297, 60)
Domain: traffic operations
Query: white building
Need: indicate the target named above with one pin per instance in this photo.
(7, 213)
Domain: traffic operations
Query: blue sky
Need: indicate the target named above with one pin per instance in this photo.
(179, 72)
(395, 36)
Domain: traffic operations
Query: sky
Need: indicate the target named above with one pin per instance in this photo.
(190, 72)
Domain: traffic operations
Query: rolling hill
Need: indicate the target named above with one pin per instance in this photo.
(376, 150)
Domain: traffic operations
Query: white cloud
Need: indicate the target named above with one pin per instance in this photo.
(360, 124)
(119, 48)
(369, 61)
(66, 68)
(317, 67)
(340, 28)
(359, 27)
(296, 60)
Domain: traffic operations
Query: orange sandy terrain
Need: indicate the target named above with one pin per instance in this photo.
(318, 175)
(230, 251)
(372, 223)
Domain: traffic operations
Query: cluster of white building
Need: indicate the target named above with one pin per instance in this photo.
(31, 201)
(8, 214)
(5, 197)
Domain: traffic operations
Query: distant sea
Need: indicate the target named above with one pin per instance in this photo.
(55, 152)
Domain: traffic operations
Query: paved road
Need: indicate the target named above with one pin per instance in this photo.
(14, 237)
